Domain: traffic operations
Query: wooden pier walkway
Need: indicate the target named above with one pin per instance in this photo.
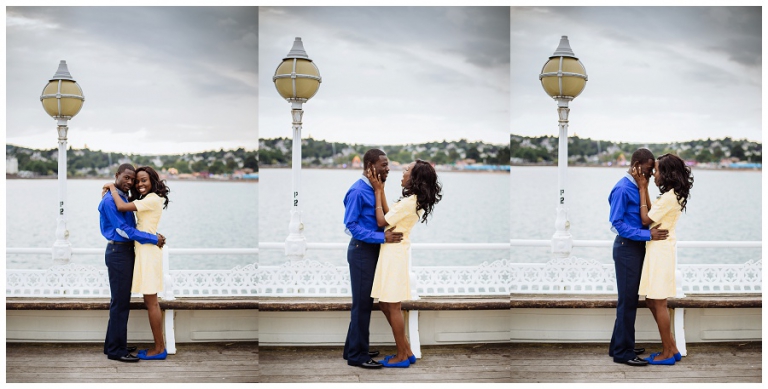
(85, 362)
(248, 362)
(513, 362)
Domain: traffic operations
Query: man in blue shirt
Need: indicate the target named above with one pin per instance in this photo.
(628, 255)
(119, 228)
(362, 256)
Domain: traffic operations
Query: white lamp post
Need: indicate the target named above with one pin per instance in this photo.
(297, 79)
(62, 98)
(563, 78)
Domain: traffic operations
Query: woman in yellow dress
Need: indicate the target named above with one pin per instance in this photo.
(657, 280)
(421, 191)
(149, 203)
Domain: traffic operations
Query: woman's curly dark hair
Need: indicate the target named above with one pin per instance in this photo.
(423, 183)
(675, 175)
(157, 187)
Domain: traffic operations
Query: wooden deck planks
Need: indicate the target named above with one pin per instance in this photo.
(511, 362)
(193, 362)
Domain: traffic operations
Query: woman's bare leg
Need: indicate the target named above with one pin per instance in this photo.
(155, 323)
(384, 307)
(669, 347)
(398, 330)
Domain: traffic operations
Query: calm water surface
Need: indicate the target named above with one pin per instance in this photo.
(724, 205)
(200, 214)
(474, 209)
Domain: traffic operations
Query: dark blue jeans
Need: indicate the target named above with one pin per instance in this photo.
(119, 259)
(362, 258)
(628, 258)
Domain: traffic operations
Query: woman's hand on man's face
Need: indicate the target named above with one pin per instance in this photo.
(640, 178)
(374, 178)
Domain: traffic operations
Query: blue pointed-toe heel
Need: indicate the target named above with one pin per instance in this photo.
(160, 356)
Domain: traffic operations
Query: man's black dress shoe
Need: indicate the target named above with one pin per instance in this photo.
(125, 358)
(635, 362)
(373, 353)
(131, 349)
(371, 364)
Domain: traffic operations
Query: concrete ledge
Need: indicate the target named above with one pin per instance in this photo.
(609, 301)
(86, 304)
(308, 304)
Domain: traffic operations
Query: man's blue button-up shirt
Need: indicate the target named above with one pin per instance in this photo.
(625, 210)
(360, 213)
(120, 226)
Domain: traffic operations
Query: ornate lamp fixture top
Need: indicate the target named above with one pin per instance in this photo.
(563, 76)
(62, 98)
(297, 78)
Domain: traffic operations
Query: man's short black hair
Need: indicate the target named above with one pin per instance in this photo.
(641, 155)
(371, 157)
(124, 167)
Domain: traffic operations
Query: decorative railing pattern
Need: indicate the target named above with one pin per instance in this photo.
(72, 280)
(313, 278)
(746, 278)
(585, 276)
(75, 280)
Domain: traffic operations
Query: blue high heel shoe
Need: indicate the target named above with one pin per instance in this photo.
(677, 356)
(411, 359)
(162, 355)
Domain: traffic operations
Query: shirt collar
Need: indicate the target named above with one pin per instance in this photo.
(631, 179)
(366, 180)
(121, 193)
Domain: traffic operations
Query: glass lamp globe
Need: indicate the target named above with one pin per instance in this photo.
(62, 97)
(297, 77)
(563, 76)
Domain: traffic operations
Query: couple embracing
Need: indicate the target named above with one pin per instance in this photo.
(379, 252)
(645, 257)
(133, 256)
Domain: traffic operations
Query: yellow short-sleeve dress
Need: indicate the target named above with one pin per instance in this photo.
(148, 269)
(657, 280)
(391, 283)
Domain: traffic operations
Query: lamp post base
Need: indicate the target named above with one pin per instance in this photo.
(62, 252)
(562, 246)
(295, 247)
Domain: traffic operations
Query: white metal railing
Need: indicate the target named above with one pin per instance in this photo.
(609, 243)
(314, 278)
(78, 280)
(497, 276)
(567, 275)
(584, 276)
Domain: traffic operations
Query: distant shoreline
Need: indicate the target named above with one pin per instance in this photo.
(627, 166)
(391, 168)
(15, 177)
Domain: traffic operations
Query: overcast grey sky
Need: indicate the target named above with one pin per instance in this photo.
(656, 74)
(392, 75)
(155, 79)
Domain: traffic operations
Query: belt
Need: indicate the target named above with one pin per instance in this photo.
(114, 242)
